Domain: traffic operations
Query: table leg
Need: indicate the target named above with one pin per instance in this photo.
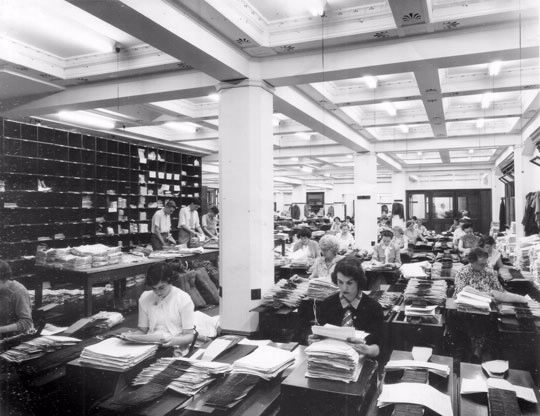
(88, 298)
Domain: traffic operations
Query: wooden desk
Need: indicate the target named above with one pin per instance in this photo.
(444, 385)
(477, 404)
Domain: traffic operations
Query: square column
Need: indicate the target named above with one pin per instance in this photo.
(246, 201)
(365, 207)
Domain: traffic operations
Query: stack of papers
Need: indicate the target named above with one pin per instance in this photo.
(472, 298)
(37, 347)
(433, 292)
(115, 353)
(265, 362)
(332, 359)
(478, 385)
(439, 369)
(414, 270)
(320, 289)
(416, 393)
(287, 292)
(429, 310)
(338, 332)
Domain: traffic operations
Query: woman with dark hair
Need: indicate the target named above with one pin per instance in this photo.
(385, 252)
(15, 309)
(350, 307)
(166, 310)
(305, 243)
(494, 255)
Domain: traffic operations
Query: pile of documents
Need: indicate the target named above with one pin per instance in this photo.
(416, 393)
(387, 300)
(287, 292)
(531, 308)
(473, 299)
(428, 310)
(415, 270)
(480, 385)
(439, 369)
(445, 270)
(265, 362)
(115, 353)
(320, 289)
(37, 347)
(433, 292)
(333, 359)
(190, 376)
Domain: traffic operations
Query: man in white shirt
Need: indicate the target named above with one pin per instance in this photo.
(188, 223)
(161, 226)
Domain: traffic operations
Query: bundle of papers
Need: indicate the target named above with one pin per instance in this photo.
(108, 319)
(37, 347)
(414, 270)
(265, 362)
(387, 300)
(433, 292)
(439, 369)
(333, 360)
(115, 353)
(219, 345)
(320, 289)
(428, 310)
(287, 292)
(478, 385)
(338, 332)
(416, 393)
(472, 298)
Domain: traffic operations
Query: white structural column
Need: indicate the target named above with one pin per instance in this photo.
(526, 180)
(365, 206)
(246, 201)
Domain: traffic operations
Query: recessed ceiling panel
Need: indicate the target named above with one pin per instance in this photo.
(17, 85)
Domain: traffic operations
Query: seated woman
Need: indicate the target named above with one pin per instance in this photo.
(412, 233)
(454, 226)
(348, 221)
(166, 310)
(399, 240)
(494, 255)
(15, 309)
(421, 227)
(310, 247)
(385, 251)
(346, 239)
(468, 240)
(349, 307)
(336, 225)
(324, 265)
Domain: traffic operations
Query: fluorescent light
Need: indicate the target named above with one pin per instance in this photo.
(214, 96)
(350, 156)
(306, 169)
(370, 81)
(494, 68)
(471, 151)
(275, 122)
(404, 128)
(480, 123)
(316, 7)
(182, 127)
(326, 174)
(303, 135)
(419, 153)
(389, 108)
(486, 100)
(90, 120)
(294, 159)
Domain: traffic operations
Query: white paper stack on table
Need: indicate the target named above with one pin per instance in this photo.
(338, 332)
(266, 362)
(115, 353)
(441, 369)
(474, 299)
(37, 347)
(428, 310)
(320, 289)
(288, 292)
(416, 393)
(333, 359)
(479, 385)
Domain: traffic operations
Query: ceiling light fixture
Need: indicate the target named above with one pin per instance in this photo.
(419, 153)
(214, 96)
(389, 108)
(494, 68)
(306, 169)
(487, 98)
(480, 123)
(90, 120)
(471, 151)
(316, 7)
(404, 128)
(182, 127)
(294, 159)
(349, 156)
(370, 81)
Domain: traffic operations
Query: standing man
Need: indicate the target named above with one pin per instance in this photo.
(209, 222)
(188, 223)
(161, 226)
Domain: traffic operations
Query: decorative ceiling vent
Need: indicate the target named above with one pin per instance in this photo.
(450, 25)
(286, 48)
(412, 19)
(182, 65)
(381, 35)
(243, 42)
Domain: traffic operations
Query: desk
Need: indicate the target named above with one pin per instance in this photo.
(116, 273)
(477, 404)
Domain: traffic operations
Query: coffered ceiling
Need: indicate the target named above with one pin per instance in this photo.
(426, 84)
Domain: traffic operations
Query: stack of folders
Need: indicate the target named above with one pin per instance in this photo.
(473, 300)
(439, 369)
(320, 289)
(428, 310)
(333, 359)
(265, 362)
(287, 292)
(195, 376)
(115, 353)
(37, 347)
(433, 292)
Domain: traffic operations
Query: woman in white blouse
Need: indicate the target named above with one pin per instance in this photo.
(324, 265)
(494, 255)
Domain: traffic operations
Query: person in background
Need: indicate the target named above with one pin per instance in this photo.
(459, 232)
(412, 233)
(348, 221)
(15, 309)
(209, 222)
(166, 310)
(420, 227)
(385, 252)
(494, 256)
(383, 224)
(346, 239)
(350, 307)
(161, 226)
(324, 265)
(468, 241)
(454, 226)
(400, 240)
(188, 223)
(306, 244)
(336, 225)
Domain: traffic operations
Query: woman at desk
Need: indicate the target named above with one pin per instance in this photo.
(385, 252)
(166, 310)
(399, 240)
(309, 246)
(336, 225)
(412, 233)
(467, 241)
(15, 309)
(494, 256)
(324, 265)
(345, 238)
(350, 307)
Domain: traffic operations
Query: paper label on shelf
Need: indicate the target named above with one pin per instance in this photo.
(176, 176)
(165, 187)
(161, 175)
(177, 187)
(112, 210)
(169, 176)
(152, 174)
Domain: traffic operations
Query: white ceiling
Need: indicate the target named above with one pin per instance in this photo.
(403, 78)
